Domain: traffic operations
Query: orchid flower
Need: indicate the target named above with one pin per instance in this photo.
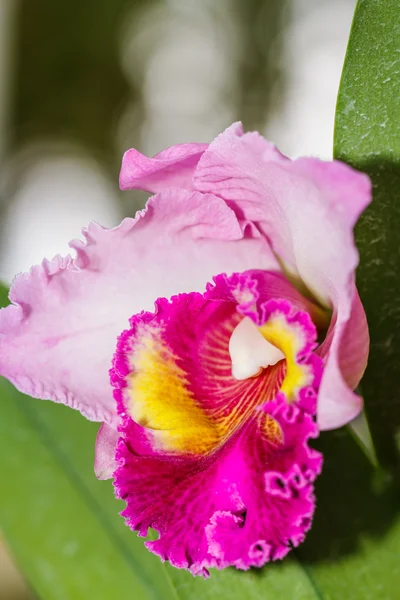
(213, 335)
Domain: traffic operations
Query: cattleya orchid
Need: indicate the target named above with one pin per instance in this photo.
(226, 317)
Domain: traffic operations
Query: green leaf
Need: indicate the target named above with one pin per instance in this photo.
(367, 136)
(360, 430)
(353, 547)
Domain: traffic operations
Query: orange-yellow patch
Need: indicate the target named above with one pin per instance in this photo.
(158, 394)
(271, 429)
(160, 400)
(289, 338)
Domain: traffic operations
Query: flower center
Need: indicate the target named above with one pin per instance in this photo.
(253, 348)
(250, 351)
(197, 369)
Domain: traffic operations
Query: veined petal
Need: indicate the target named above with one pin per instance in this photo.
(244, 506)
(58, 337)
(273, 511)
(173, 167)
(220, 468)
(173, 371)
(307, 210)
(301, 205)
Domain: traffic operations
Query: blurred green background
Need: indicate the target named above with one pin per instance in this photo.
(82, 81)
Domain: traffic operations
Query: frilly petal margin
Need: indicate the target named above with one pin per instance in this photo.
(307, 209)
(57, 338)
(228, 510)
(250, 499)
(173, 167)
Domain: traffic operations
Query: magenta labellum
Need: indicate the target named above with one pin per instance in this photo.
(221, 468)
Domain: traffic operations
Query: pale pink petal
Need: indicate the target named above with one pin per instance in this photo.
(106, 443)
(307, 210)
(345, 349)
(172, 167)
(354, 345)
(58, 337)
(296, 203)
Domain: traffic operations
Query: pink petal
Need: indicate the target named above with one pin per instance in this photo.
(345, 350)
(106, 444)
(307, 210)
(243, 506)
(58, 337)
(273, 493)
(354, 345)
(172, 167)
(220, 468)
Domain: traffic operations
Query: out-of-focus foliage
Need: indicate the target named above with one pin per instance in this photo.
(68, 79)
